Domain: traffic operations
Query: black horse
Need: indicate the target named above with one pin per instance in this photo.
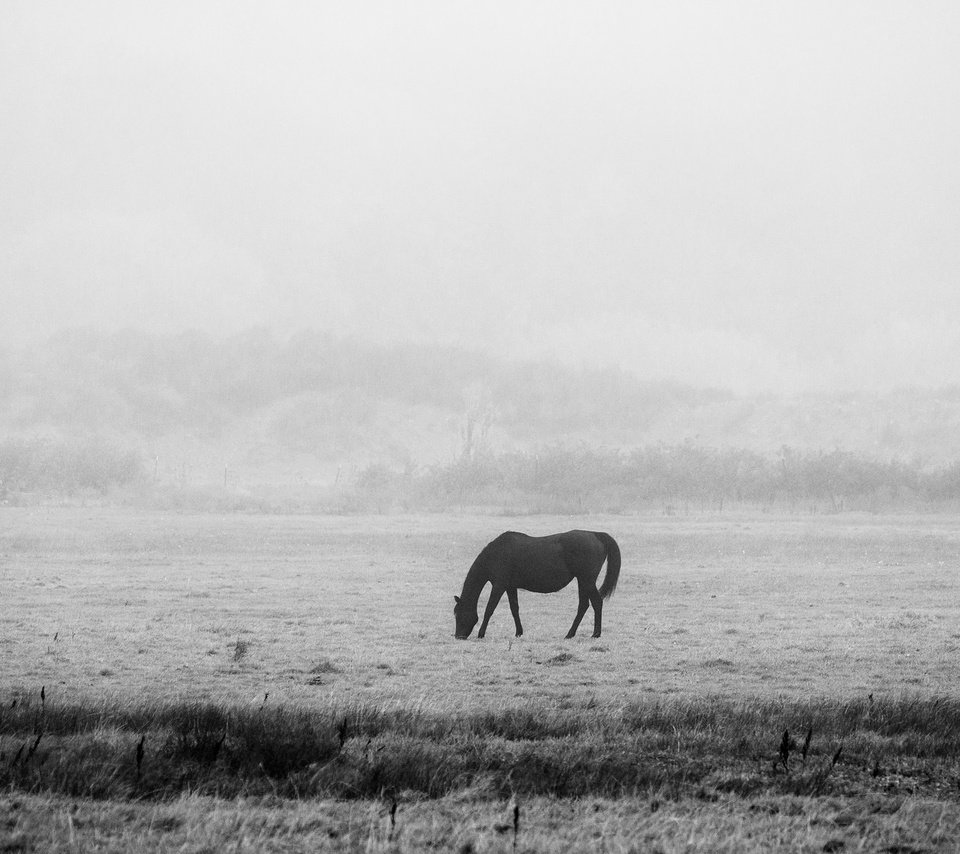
(544, 565)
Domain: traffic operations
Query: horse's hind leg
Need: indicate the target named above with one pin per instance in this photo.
(492, 603)
(581, 610)
(515, 609)
(597, 601)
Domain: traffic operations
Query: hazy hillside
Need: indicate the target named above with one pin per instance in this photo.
(312, 408)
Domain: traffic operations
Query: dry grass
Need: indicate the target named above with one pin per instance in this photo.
(202, 824)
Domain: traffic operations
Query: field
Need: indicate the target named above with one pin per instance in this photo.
(292, 683)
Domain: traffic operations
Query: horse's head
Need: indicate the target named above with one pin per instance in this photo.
(466, 618)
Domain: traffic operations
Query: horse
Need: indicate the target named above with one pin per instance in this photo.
(515, 561)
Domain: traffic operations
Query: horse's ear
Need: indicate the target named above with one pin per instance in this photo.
(456, 599)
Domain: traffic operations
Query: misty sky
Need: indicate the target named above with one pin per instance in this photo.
(755, 195)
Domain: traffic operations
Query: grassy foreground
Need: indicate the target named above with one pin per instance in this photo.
(353, 776)
(623, 826)
(261, 683)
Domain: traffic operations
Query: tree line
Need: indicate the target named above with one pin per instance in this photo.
(672, 477)
(555, 479)
(81, 380)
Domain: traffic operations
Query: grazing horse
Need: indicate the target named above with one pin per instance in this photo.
(544, 565)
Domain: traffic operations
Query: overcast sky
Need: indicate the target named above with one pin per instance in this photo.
(756, 195)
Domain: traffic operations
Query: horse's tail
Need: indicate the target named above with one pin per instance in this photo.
(613, 564)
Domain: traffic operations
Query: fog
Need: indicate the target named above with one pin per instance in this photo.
(745, 195)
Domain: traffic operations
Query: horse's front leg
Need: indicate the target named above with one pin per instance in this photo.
(492, 602)
(515, 609)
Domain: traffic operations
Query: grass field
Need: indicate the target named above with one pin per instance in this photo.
(318, 652)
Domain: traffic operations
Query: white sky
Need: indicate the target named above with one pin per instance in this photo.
(756, 195)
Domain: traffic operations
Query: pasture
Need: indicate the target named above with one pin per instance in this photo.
(724, 631)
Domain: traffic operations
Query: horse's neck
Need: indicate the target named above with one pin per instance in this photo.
(473, 583)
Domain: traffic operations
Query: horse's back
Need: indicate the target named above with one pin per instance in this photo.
(521, 539)
(567, 542)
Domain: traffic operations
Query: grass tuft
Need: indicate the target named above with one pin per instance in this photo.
(672, 748)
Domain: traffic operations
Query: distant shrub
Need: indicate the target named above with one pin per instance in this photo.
(49, 466)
